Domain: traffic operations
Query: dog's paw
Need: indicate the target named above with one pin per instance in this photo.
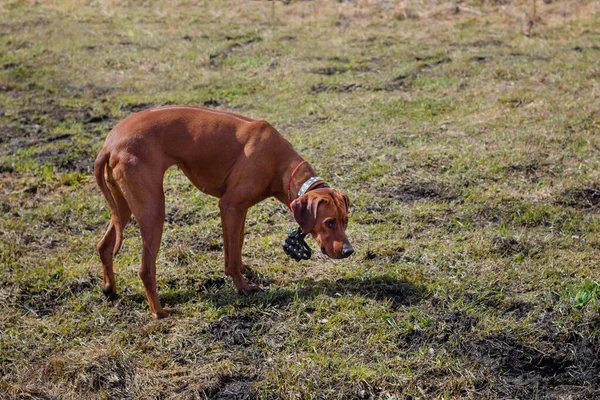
(165, 312)
(250, 289)
(110, 293)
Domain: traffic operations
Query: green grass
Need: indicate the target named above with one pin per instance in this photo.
(469, 150)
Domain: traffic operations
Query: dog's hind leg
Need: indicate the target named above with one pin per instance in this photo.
(106, 246)
(151, 220)
(142, 187)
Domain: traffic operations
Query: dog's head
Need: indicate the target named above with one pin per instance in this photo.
(324, 214)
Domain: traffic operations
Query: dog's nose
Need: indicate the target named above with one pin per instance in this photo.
(347, 250)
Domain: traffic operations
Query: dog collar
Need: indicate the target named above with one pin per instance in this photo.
(306, 185)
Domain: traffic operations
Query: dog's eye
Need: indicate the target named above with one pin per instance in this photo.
(330, 223)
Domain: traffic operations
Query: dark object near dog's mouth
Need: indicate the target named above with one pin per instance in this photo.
(296, 247)
(324, 251)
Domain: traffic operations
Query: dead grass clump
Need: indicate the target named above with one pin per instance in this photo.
(99, 373)
(103, 370)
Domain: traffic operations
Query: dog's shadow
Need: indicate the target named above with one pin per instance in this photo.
(220, 293)
(394, 292)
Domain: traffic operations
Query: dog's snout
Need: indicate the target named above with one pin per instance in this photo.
(347, 250)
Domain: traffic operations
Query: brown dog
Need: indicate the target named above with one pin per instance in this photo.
(237, 159)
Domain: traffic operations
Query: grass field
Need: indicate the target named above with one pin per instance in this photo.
(467, 135)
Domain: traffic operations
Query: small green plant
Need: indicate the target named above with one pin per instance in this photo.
(589, 291)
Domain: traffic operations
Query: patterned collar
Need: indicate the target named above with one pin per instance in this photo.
(306, 185)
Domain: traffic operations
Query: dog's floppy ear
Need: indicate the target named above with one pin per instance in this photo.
(305, 212)
(347, 201)
(345, 198)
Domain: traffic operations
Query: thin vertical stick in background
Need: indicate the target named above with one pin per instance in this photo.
(272, 11)
(531, 21)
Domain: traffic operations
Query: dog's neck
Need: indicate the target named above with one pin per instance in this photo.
(300, 175)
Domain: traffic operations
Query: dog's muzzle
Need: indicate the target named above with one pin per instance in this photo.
(347, 250)
(296, 247)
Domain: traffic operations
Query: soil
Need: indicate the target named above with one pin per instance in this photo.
(554, 365)
(67, 159)
(328, 70)
(342, 88)
(231, 387)
(47, 301)
(549, 365)
(409, 193)
(509, 246)
(235, 330)
(531, 171)
(404, 81)
(585, 198)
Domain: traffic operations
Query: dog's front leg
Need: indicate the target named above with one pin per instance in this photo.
(233, 218)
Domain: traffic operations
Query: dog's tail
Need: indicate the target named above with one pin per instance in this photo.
(100, 166)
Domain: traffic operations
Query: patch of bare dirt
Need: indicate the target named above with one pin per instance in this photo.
(509, 246)
(414, 339)
(137, 107)
(48, 300)
(329, 70)
(549, 365)
(234, 43)
(404, 81)
(554, 365)
(479, 58)
(493, 215)
(67, 159)
(487, 43)
(582, 198)
(180, 216)
(529, 57)
(336, 88)
(519, 309)
(29, 129)
(231, 387)
(396, 254)
(211, 103)
(236, 330)
(430, 191)
(530, 171)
